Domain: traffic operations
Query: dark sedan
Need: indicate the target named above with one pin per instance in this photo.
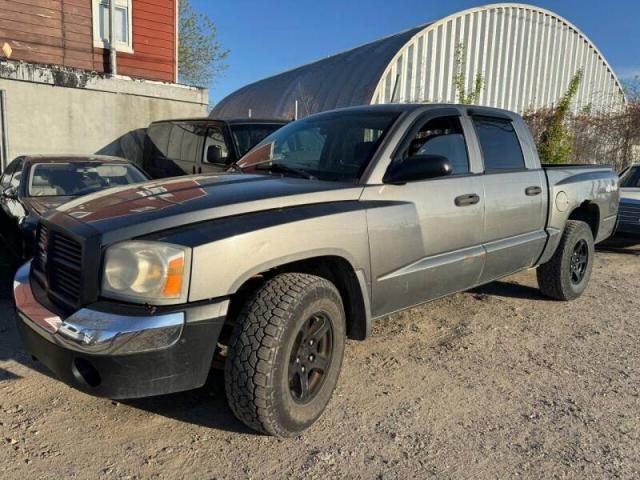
(629, 220)
(32, 185)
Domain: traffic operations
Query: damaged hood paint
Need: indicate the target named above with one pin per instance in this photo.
(157, 205)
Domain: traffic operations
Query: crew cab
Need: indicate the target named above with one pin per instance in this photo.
(201, 145)
(329, 224)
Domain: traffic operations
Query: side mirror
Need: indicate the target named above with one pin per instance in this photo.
(214, 154)
(418, 167)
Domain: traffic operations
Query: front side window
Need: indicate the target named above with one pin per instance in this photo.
(216, 151)
(79, 178)
(499, 143)
(334, 146)
(631, 178)
(442, 136)
(122, 27)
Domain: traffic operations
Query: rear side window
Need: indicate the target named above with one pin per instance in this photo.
(192, 140)
(500, 145)
(158, 135)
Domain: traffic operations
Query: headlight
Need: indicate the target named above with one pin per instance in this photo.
(147, 272)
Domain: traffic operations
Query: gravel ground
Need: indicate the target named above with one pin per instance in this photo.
(494, 383)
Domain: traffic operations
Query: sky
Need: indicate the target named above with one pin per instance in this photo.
(269, 37)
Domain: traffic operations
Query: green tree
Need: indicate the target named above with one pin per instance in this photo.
(460, 79)
(556, 141)
(200, 57)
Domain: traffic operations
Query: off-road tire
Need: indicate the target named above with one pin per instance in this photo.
(257, 380)
(554, 276)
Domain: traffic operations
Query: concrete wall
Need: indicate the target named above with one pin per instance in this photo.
(58, 110)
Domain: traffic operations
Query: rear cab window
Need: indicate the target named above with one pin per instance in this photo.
(248, 136)
(501, 150)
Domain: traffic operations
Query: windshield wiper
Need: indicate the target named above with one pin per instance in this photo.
(282, 168)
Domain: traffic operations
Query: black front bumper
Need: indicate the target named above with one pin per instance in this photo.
(183, 366)
(120, 351)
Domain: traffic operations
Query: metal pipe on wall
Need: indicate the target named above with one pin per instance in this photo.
(4, 138)
(113, 61)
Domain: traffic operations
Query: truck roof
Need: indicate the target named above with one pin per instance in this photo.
(232, 121)
(409, 107)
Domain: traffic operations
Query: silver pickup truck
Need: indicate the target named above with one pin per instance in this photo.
(330, 223)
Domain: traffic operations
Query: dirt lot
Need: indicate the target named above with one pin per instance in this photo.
(495, 383)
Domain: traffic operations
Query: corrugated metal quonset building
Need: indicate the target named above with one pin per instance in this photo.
(526, 56)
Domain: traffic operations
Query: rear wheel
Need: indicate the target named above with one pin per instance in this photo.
(566, 275)
(285, 354)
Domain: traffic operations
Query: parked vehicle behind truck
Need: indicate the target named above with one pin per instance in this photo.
(31, 185)
(330, 223)
(204, 145)
(629, 221)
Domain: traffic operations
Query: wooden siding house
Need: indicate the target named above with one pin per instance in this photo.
(58, 91)
(75, 33)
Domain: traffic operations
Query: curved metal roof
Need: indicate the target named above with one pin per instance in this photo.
(525, 56)
(355, 71)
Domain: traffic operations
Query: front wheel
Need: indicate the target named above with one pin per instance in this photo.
(285, 354)
(566, 275)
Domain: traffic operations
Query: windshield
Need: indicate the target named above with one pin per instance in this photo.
(248, 136)
(335, 146)
(631, 178)
(74, 179)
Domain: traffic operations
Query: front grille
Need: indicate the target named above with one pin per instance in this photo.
(64, 267)
(42, 242)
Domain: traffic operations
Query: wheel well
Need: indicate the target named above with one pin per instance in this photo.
(335, 269)
(589, 213)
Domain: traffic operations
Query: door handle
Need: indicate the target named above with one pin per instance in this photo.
(531, 191)
(466, 200)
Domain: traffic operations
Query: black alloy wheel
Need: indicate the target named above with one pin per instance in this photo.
(579, 262)
(310, 357)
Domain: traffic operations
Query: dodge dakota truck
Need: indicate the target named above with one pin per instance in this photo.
(330, 223)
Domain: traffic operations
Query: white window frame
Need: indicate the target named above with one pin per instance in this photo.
(126, 47)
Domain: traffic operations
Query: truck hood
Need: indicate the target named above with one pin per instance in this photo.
(158, 205)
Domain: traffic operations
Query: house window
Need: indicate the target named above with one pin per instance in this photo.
(101, 38)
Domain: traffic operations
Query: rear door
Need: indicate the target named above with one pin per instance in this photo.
(515, 195)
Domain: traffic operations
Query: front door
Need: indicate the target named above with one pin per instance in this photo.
(426, 236)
